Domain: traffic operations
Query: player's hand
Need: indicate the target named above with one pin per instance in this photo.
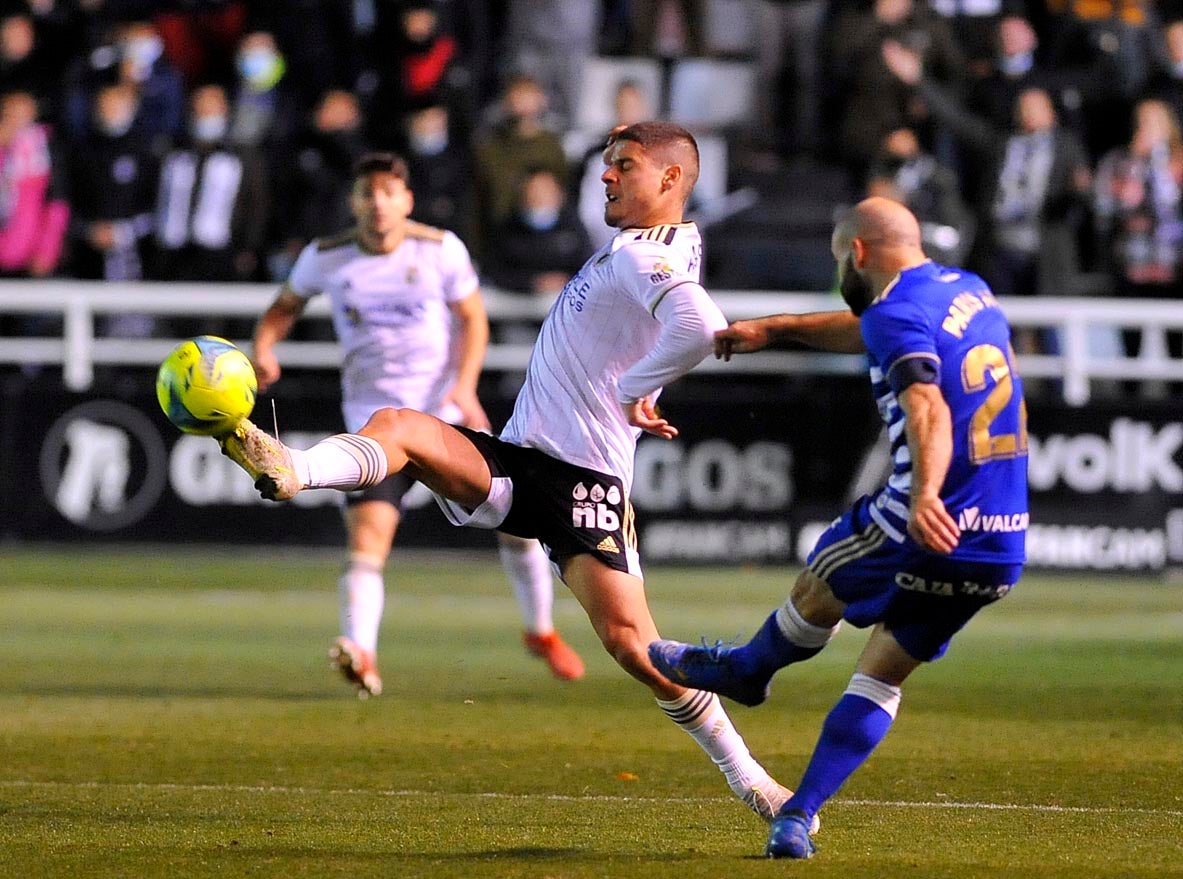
(643, 414)
(472, 413)
(267, 369)
(930, 525)
(741, 337)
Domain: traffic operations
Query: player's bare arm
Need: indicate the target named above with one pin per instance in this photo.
(472, 338)
(836, 331)
(642, 413)
(274, 326)
(930, 440)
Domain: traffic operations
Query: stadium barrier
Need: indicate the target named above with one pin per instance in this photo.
(772, 446)
(1085, 329)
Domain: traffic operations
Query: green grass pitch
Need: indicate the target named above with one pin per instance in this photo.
(171, 713)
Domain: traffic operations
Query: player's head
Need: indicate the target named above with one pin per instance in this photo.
(872, 242)
(652, 167)
(381, 197)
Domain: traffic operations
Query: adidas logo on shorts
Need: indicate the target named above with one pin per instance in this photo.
(607, 545)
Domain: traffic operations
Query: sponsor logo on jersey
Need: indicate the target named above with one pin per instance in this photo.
(661, 272)
(912, 583)
(973, 519)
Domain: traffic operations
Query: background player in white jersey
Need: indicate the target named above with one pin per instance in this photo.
(633, 318)
(408, 311)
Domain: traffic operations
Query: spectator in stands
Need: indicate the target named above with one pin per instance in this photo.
(319, 40)
(33, 212)
(266, 115)
(441, 166)
(516, 143)
(1035, 185)
(1166, 83)
(129, 52)
(161, 88)
(201, 36)
(324, 168)
(1139, 210)
(975, 25)
(631, 106)
(113, 175)
(668, 28)
(212, 208)
(542, 243)
(551, 40)
(904, 172)
(877, 102)
(787, 35)
(1110, 44)
(23, 65)
(415, 55)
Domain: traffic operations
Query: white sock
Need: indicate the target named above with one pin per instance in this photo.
(528, 569)
(702, 715)
(800, 632)
(361, 594)
(345, 461)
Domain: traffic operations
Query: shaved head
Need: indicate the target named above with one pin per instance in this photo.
(878, 221)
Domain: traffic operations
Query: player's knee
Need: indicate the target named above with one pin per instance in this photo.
(815, 601)
(625, 646)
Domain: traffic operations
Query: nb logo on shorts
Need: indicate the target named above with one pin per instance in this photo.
(589, 511)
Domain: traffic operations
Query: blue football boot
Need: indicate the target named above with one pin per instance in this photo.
(708, 668)
(789, 837)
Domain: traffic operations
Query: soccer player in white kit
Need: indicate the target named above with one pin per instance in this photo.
(632, 319)
(408, 312)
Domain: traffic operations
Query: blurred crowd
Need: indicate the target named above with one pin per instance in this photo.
(1039, 142)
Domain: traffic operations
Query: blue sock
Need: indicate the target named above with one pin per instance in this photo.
(769, 650)
(851, 731)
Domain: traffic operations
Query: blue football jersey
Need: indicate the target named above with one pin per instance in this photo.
(949, 318)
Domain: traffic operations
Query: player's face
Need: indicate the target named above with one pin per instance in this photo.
(632, 186)
(381, 203)
(855, 289)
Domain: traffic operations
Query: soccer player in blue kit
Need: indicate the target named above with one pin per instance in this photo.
(942, 539)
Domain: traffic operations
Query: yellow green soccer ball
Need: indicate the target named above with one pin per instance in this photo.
(206, 385)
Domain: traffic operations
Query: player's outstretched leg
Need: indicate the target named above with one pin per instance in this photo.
(265, 458)
(743, 673)
(345, 461)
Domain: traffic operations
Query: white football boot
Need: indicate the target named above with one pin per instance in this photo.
(265, 458)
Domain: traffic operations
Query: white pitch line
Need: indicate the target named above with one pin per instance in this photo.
(570, 798)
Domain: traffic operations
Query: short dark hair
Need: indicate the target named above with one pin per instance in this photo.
(669, 137)
(385, 163)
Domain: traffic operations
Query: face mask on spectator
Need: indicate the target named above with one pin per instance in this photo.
(116, 126)
(142, 52)
(256, 65)
(540, 219)
(1017, 65)
(209, 128)
(428, 143)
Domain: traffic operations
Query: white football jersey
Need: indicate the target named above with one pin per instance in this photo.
(392, 316)
(601, 324)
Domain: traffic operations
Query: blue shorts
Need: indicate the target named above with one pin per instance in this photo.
(922, 599)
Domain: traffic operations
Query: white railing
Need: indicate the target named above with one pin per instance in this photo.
(77, 350)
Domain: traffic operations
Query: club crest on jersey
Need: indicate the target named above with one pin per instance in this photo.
(412, 275)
